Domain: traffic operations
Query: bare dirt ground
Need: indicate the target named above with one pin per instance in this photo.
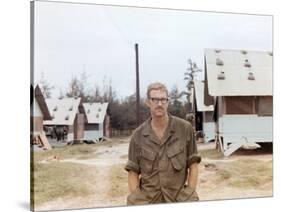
(242, 175)
(107, 158)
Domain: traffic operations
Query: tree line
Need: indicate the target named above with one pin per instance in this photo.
(122, 111)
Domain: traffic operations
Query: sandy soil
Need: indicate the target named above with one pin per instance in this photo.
(208, 188)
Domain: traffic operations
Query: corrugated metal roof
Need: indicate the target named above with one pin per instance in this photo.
(62, 110)
(236, 82)
(95, 112)
(199, 95)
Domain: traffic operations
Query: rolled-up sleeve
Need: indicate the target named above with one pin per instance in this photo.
(133, 159)
(192, 154)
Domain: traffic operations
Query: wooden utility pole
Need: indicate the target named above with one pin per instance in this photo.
(137, 85)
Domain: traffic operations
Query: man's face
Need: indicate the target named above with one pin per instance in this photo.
(158, 103)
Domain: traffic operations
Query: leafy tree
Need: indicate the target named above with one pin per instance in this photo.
(176, 106)
(189, 77)
(78, 87)
(123, 113)
(74, 88)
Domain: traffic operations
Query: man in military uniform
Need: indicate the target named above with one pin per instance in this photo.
(162, 162)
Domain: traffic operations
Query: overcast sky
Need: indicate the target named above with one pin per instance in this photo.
(72, 38)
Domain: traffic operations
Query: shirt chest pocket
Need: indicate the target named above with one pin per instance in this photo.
(147, 160)
(176, 156)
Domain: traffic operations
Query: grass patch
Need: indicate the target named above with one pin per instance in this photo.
(246, 182)
(210, 153)
(223, 175)
(245, 173)
(58, 180)
(118, 181)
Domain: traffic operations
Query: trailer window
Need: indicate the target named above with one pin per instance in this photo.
(239, 105)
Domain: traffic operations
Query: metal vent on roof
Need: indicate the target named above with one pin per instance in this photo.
(99, 109)
(55, 108)
(88, 111)
(61, 97)
(221, 76)
(71, 108)
(67, 117)
(251, 76)
(97, 115)
(270, 53)
(217, 50)
(219, 62)
(247, 64)
(53, 116)
(243, 52)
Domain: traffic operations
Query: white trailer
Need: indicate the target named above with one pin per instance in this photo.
(239, 85)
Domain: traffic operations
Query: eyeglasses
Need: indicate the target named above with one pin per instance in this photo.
(157, 100)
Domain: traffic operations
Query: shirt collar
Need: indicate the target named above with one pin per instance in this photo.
(171, 125)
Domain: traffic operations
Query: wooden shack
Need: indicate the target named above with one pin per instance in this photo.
(66, 118)
(239, 85)
(203, 114)
(97, 122)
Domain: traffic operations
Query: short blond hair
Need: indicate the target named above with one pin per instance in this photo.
(156, 86)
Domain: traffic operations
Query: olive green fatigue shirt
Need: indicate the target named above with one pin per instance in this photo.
(162, 164)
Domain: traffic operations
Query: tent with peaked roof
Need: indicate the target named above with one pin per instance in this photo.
(97, 124)
(38, 113)
(65, 114)
(39, 110)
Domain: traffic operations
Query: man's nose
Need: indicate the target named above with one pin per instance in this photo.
(159, 102)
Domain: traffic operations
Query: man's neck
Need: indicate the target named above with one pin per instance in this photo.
(160, 122)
